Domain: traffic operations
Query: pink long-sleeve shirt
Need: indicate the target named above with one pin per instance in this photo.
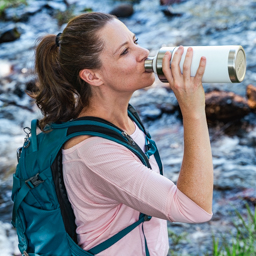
(108, 187)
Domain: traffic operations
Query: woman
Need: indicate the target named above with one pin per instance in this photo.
(92, 69)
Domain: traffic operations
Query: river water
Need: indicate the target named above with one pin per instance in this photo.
(212, 22)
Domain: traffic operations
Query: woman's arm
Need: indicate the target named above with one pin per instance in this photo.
(196, 175)
(109, 174)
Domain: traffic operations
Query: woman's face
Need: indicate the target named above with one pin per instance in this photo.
(123, 59)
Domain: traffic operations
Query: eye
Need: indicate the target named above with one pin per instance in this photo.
(124, 52)
(127, 49)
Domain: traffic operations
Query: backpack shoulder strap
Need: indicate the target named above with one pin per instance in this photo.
(151, 147)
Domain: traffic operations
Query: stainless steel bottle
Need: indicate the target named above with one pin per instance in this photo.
(224, 64)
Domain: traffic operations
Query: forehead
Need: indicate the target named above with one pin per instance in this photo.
(113, 34)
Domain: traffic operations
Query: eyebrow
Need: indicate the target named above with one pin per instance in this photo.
(122, 45)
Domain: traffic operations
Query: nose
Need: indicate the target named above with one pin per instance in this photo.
(142, 54)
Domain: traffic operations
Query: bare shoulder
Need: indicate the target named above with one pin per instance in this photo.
(74, 141)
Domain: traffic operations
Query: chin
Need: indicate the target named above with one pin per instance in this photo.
(151, 80)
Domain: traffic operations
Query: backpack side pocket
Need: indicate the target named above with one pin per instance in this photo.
(21, 228)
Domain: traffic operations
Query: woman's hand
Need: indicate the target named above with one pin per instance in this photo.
(188, 90)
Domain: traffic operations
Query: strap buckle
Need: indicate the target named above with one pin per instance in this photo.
(34, 181)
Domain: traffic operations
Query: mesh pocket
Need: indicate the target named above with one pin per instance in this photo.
(45, 231)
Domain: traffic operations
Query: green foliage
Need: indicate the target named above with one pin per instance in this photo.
(244, 244)
(64, 17)
(175, 240)
(87, 9)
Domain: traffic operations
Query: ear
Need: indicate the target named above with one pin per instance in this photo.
(91, 77)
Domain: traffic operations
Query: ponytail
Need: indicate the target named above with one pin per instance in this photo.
(56, 96)
(62, 93)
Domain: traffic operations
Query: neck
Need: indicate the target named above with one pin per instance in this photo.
(113, 110)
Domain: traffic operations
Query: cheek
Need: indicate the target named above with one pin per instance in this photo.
(128, 64)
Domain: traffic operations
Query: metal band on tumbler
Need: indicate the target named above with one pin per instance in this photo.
(159, 61)
(149, 64)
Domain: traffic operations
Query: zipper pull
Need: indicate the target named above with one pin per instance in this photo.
(129, 138)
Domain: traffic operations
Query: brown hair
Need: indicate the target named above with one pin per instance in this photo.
(62, 93)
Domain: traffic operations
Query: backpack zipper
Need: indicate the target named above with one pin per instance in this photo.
(129, 138)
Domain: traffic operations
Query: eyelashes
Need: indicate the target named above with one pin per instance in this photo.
(127, 49)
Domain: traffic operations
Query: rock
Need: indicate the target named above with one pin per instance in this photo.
(225, 106)
(16, 13)
(168, 12)
(247, 194)
(150, 112)
(22, 12)
(56, 6)
(169, 2)
(11, 33)
(232, 176)
(251, 95)
(123, 10)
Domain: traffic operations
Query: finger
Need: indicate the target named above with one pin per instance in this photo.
(187, 64)
(166, 66)
(200, 71)
(175, 65)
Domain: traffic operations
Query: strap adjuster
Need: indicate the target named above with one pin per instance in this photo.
(147, 218)
(25, 253)
(34, 181)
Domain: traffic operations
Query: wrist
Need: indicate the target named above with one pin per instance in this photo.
(193, 114)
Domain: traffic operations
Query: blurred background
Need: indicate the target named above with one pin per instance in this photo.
(230, 107)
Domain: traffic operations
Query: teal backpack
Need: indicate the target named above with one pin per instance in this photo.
(42, 213)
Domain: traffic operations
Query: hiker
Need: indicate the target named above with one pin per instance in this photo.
(92, 69)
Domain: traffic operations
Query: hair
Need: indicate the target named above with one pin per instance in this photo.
(62, 93)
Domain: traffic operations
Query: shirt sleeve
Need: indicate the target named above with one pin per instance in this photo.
(118, 174)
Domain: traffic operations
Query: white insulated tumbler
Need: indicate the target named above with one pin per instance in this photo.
(224, 64)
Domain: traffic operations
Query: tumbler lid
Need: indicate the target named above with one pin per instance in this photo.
(236, 64)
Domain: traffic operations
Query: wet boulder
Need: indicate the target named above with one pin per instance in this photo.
(251, 95)
(248, 194)
(168, 12)
(9, 34)
(225, 106)
(169, 2)
(16, 13)
(123, 10)
(23, 12)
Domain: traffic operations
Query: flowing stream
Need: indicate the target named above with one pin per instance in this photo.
(212, 22)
